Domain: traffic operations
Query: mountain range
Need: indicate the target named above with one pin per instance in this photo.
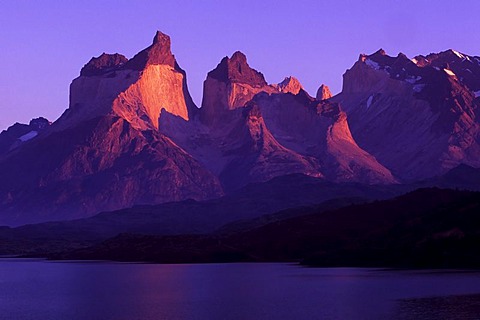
(132, 134)
(426, 228)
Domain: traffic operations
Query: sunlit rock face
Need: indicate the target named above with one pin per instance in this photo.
(229, 86)
(289, 85)
(136, 89)
(323, 93)
(106, 152)
(159, 87)
(418, 117)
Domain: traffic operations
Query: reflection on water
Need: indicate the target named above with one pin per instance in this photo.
(462, 307)
(58, 290)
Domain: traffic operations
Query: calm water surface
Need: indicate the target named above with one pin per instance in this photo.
(35, 289)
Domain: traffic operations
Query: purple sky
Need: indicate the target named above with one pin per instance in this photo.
(45, 43)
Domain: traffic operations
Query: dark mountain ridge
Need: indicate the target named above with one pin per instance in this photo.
(427, 228)
(190, 217)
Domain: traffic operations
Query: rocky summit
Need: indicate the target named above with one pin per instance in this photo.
(323, 93)
(132, 135)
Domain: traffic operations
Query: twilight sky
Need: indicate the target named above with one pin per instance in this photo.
(45, 43)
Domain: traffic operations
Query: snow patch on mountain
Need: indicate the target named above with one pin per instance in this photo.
(32, 134)
(458, 54)
(372, 64)
(369, 101)
(413, 79)
(418, 87)
(449, 72)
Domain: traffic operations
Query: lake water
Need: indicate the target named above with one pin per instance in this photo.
(35, 289)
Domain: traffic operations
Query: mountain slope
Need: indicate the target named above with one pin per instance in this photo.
(417, 117)
(320, 130)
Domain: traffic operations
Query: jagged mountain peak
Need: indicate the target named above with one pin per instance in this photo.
(443, 57)
(450, 53)
(236, 70)
(432, 59)
(239, 57)
(446, 66)
(323, 93)
(136, 89)
(159, 53)
(229, 86)
(380, 52)
(439, 91)
(103, 64)
(290, 85)
(162, 39)
(380, 60)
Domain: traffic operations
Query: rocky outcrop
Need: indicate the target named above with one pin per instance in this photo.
(159, 53)
(323, 93)
(289, 85)
(105, 63)
(229, 86)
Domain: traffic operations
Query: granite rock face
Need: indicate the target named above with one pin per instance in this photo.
(229, 86)
(136, 89)
(289, 85)
(323, 93)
